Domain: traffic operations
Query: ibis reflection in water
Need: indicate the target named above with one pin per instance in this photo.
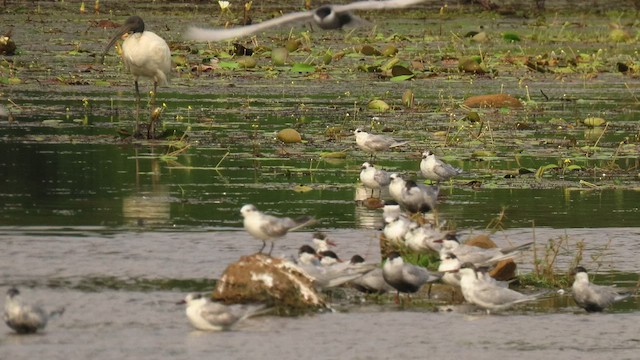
(146, 55)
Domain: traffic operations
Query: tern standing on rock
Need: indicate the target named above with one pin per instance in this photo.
(591, 297)
(435, 169)
(212, 316)
(327, 17)
(375, 143)
(25, 318)
(268, 227)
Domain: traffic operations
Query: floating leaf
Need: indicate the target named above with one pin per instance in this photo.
(289, 135)
(302, 188)
(247, 62)
(333, 155)
(402, 77)
(594, 121)
(327, 58)
(369, 50)
(398, 70)
(509, 36)
(229, 65)
(292, 45)
(303, 68)
(407, 98)
(279, 56)
(470, 65)
(378, 105)
(389, 51)
(493, 100)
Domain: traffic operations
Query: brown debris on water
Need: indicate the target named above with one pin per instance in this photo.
(493, 101)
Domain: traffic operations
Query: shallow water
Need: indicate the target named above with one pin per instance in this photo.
(117, 232)
(117, 307)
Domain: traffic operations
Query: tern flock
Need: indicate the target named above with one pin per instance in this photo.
(147, 55)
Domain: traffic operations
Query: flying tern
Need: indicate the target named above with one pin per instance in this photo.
(327, 17)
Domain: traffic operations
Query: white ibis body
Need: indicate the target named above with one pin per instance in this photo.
(144, 53)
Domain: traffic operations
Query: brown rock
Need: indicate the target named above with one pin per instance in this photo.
(481, 241)
(493, 100)
(505, 269)
(259, 278)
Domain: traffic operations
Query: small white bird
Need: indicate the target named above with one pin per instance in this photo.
(396, 228)
(375, 143)
(424, 239)
(372, 282)
(404, 277)
(145, 54)
(25, 318)
(329, 258)
(591, 297)
(308, 256)
(327, 17)
(487, 294)
(268, 227)
(322, 241)
(372, 178)
(450, 266)
(212, 316)
(325, 277)
(412, 196)
(391, 209)
(435, 169)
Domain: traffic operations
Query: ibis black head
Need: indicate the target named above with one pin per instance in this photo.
(134, 24)
(357, 259)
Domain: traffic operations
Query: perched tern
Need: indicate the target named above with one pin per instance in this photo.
(450, 266)
(207, 315)
(391, 209)
(25, 318)
(329, 257)
(486, 294)
(308, 256)
(412, 196)
(405, 277)
(477, 255)
(435, 169)
(591, 297)
(372, 282)
(267, 227)
(327, 17)
(375, 143)
(329, 276)
(396, 228)
(374, 179)
(425, 238)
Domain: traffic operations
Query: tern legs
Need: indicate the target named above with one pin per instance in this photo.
(264, 245)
